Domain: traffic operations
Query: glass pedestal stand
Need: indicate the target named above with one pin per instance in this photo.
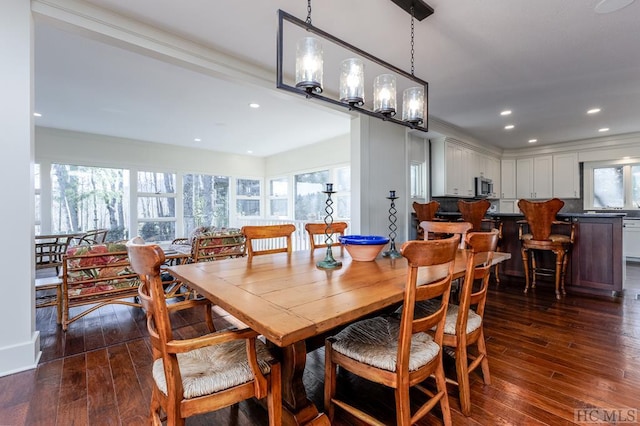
(392, 252)
(329, 262)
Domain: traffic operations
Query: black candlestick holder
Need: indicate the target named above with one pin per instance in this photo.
(329, 262)
(392, 252)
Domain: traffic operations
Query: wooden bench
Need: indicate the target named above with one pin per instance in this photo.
(208, 243)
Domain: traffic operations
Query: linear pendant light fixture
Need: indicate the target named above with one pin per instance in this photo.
(348, 71)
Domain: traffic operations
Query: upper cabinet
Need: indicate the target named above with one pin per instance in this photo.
(566, 175)
(534, 177)
(455, 166)
(508, 178)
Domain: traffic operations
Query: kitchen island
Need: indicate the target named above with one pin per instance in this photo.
(596, 264)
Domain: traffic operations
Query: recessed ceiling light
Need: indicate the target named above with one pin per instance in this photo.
(506, 112)
(197, 140)
(533, 140)
(604, 129)
(249, 152)
(254, 105)
(609, 6)
(37, 114)
(593, 111)
(509, 127)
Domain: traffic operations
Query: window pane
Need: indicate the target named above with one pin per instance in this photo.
(343, 208)
(36, 176)
(85, 198)
(248, 187)
(608, 191)
(343, 179)
(635, 185)
(206, 201)
(157, 231)
(155, 207)
(248, 207)
(278, 207)
(310, 201)
(279, 187)
(157, 183)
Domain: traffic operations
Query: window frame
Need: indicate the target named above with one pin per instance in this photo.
(588, 173)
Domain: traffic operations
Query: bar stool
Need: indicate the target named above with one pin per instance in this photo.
(425, 212)
(474, 212)
(540, 216)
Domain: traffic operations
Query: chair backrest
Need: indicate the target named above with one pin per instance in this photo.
(317, 236)
(426, 211)
(440, 229)
(218, 244)
(94, 236)
(540, 215)
(481, 246)
(49, 250)
(280, 234)
(473, 212)
(429, 274)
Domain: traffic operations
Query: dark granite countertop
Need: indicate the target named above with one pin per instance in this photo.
(603, 215)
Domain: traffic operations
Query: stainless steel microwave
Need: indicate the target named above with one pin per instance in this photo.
(484, 187)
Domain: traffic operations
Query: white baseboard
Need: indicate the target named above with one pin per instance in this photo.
(20, 357)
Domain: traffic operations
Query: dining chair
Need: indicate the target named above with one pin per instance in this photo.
(441, 229)
(94, 236)
(280, 236)
(205, 373)
(464, 321)
(540, 219)
(425, 211)
(474, 212)
(317, 234)
(400, 352)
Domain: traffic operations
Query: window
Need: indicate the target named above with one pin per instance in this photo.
(342, 207)
(85, 198)
(206, 201)
(279, 197)
(612, 185)
(310, 201)
(417, 176)
(248, 197)
(156, 206)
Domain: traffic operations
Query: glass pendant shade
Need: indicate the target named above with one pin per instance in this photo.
(309, 64)
(384, 94)
(413, 105)
(352, 81)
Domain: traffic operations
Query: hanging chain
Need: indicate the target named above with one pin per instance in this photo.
(308, 12)
(412, 68)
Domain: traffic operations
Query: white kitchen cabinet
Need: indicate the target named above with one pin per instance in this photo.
(493, 172)
(566, 175)
(534, 177)
(508, 178)
(508, 206)
(451, 168)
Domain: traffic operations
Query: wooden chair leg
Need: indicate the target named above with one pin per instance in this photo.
(59, 304)
(462, 373)
(329, 381)
(534, 269)
(403, 406)
(441, 384)
(525, 264)
(484, 364)
(559, 269)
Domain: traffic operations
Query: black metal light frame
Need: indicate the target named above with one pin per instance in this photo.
(284, 16)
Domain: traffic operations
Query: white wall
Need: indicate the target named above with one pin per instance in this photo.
(88, 149)
(378, 164)
(323, 154)
(19, 341)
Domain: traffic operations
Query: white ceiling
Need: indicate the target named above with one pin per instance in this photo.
(548, 61)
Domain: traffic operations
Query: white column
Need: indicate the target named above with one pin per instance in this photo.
(378, 165)
(19, 341)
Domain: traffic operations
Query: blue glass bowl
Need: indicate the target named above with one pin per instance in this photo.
(363, 240)
(363, 248)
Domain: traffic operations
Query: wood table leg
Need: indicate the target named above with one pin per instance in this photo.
(298, 410)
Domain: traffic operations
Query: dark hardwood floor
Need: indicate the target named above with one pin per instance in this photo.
(547, 358)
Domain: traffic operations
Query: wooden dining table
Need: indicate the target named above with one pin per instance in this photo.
(289, 300)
